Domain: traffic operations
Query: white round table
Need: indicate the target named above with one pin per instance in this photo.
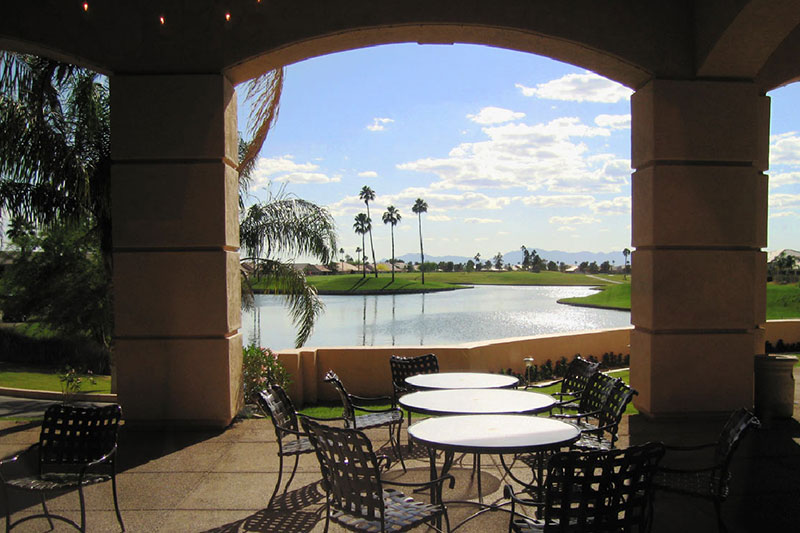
(462, 380)
(476, 401)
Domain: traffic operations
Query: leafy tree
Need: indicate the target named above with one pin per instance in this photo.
(562, 266)
(418, 208)
(605, 267)
(478, 264)
(584, 266)
(59, 278)
(526, 258)
(552, 266)
(593, 268)
(487, 265)
(392, 216)
(367, 194)
(361, 226)
(470, 266)
(498, 261)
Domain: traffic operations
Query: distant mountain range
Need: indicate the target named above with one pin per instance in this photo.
(514, 257)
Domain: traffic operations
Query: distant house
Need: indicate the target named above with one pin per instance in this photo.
(311, 269)
(344, 267)
(572, 269)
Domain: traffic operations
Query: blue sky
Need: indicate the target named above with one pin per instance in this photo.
(507, 149)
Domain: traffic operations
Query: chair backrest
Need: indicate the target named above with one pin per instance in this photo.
(73, 434)
(349, 469)
(348, 412)
(579, 371)
(601, 491)
(276, 403)
(597, 392)
(611, 412)
(404, 367)
(732, 433)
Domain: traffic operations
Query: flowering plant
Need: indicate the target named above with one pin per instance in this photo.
(71, 383)
(259, 367)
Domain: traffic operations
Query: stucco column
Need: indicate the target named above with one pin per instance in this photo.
(176, 249)
(699, 223)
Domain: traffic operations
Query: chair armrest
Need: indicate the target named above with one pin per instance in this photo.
(576, 416)
(373, 399)
(368, 410)
(423, 484)
(383, 459)
(102, 459)
(668, 470)
(14, 458)
(544, 384)
(680, 448)
(315, 418)
(508, 492)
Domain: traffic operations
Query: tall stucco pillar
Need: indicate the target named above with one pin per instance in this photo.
(699, 223)
(176, 249)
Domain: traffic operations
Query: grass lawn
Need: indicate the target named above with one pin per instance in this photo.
(34, 378)
(412, 281)
(783, 301)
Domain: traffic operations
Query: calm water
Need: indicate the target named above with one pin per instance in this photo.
(453, 317)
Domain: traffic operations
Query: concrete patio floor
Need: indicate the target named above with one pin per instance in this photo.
(194, 481)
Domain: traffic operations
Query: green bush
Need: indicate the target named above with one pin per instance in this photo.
(53, 352)
(259, 367)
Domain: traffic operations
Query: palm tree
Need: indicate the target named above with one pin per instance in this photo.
(362, 225)
(358, 254)
(392, 216)
(626, 252)
(418, 208)
(55, 150)
(367, 194)
(281, 226)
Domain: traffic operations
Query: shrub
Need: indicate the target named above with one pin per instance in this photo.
(259, 367)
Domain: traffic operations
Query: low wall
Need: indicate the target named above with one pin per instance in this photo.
(786, 330)
(364, 370)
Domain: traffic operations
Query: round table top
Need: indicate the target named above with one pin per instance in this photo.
(493, 433)
(461, 380)
(476, 401)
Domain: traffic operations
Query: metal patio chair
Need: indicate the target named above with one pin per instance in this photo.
(292, 442)
(579, 372)
(356, 496)
(77, 447)
(373, 418)
(592, 399)
(600, 491)
(711, 482)
(405, 367)
(602, 435)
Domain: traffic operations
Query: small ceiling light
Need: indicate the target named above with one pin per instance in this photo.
(228, 16)
(86, 6)
(162, 20)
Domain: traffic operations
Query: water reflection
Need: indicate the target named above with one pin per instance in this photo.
(481, 313)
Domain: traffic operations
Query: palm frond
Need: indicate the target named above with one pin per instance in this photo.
(265, 93)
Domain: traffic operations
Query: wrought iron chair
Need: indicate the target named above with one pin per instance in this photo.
(601, 491)
(711, 482)
(579, 372)
(603, 434)
(292, 442)
(74, 443)
(357, 498)
(404, 367)
(593, 398)
(374, 418)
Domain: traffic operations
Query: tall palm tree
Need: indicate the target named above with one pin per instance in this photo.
(626, 252)
(418, 208)
(367, 194)
(361, 226)
(392, 216)
(55, 149)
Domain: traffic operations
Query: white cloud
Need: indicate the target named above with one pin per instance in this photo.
(566, 228)
(563, 200)
(614, 122)
(439, 218)
(368, 174)
(476, 220)
(784, 201)
(285, 169)
(544, 155)
(578, 219)
(586, 87)
(495, 115)
(379, 124)
(621, 205)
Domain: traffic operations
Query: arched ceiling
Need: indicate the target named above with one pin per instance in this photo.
(630, 41)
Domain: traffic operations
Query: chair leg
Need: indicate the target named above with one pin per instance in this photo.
(46, 512)
(395, 442)
(116, 502)
(720, 523)
(278, 484)
(83, 508)
(294, 470)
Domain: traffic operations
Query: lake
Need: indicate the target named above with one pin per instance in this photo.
(451, 317)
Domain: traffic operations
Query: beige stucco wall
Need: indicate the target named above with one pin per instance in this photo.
(364, 370)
